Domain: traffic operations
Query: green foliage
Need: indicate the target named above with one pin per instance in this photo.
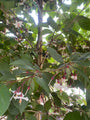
(30, 116)
(47, 105)
(84, 22)
(21, 107)
(4, 99)
(88, 98)
(13, 110)
(73, 116)
(6, 4)
(43, 84)
(23, 63)
(63, 96)
(40, 61)
(52, 23)
(55, 55)
(46, 31)
(57, 100)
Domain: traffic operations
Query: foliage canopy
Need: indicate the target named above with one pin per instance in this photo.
(40, 61)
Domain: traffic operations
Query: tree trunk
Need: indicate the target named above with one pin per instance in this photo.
(39, 42)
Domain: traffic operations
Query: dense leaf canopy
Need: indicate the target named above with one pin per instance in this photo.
(44, 54)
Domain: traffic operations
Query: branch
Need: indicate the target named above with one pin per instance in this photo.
(38, 45)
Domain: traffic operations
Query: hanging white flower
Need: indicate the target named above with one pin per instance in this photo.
(60, 87)
(18, 95)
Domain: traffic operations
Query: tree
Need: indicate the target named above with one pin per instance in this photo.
(36, 71)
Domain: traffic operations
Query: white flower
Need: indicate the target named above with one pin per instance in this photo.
(18, 95)
(18, 24)
(72, 75)
(22, 97)
(63, 79)
(60, 87)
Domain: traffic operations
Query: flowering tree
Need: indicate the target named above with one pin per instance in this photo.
(40, 62)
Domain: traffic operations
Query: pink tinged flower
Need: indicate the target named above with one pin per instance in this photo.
(72, 75)
(19, 95)
(18, 24)
(67, 66)
(63, 79)
(28, 87)
(75, 77)
(41, 100)
(65, 73)
(58, 81)
(27, 72)
(27, 90)
(52, 77)
(37, 71)
(16, 117)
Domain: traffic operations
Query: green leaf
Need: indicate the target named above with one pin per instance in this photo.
(8, 4)
(4, 66)
(52, 23)
(13, 110)
(85, 63)
(57, 100)
(44, 117)
(65, 7)
(39, 107)
(30, 116)
(51, 118)
(84, 56)
(4, 99)
(21, 107)
(46, 31)
(69, 48)
(84, 22)
(42, 83)
(63, 96)
(88, 98)
(73, 116)
(11, 117)
(55, 55)
(47, 76)
(23, 64)
(7, 76)
(47, 105)
(75, 56)
(82, 74)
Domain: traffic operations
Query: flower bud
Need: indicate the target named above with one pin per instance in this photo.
(75, 77)
(28, 88)
(27, 71)
(58, 81)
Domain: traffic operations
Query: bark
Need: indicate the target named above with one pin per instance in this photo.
(39, 42)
